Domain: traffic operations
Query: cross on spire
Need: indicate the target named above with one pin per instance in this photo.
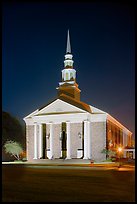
(68, 50)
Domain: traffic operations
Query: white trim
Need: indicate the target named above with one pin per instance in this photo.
(68, 82)
(97, 117)
(112, 119)
(30, 115)
(61, 101)
(56, 118)
(96, 110)
(68, 56)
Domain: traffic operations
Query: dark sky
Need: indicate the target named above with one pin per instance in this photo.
(102, 40)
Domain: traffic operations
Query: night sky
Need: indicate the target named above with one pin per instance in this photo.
(102, 39)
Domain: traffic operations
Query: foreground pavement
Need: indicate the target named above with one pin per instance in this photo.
(67, 183)
(71, 164)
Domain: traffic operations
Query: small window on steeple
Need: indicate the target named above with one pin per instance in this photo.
(67, 76)
(71, 76)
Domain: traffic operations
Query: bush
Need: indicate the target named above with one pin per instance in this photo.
(13, 148)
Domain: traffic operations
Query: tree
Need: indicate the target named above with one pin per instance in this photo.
(109, 153)
(12, 129)
(13, 148)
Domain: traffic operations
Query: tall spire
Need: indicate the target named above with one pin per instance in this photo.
(68, 50)
(68, 85)
(68, 62)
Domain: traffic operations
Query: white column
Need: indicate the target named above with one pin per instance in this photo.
(85, 140)
(125, 141)
(89, 139)
(40, 141)
(51, 140)
(35, 142)
(68, 141)
(134, 154)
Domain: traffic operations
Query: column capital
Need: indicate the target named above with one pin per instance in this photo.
(39, 123)
(68, 122)
(49, 122)
(86, 121)
(58, 123)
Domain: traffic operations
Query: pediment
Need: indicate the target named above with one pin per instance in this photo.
(59, 107)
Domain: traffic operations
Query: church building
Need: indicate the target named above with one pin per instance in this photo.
(68, 128)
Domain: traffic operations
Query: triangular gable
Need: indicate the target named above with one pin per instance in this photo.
(59, 106)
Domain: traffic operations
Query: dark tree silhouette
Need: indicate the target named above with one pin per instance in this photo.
(12, 129)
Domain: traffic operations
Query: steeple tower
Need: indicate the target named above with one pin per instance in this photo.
(68, 86)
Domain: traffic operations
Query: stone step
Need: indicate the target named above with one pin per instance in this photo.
(63, 161)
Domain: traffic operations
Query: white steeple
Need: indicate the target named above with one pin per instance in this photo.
(68, 73)
(68, 50)
(68, 85)
(68, 62)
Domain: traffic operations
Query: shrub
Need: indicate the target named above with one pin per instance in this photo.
(13, 148)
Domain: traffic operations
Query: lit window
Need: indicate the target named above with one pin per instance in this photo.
(67, 76)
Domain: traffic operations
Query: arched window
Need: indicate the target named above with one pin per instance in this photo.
(63, 76)
(67, 76)
(71, 75)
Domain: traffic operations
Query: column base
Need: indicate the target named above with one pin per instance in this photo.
(85, 158)
(68, 157)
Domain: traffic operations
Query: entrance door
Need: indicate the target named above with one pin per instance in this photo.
(64, 137)
(44, 142)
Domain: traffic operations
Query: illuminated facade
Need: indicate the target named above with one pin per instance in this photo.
(69, 128)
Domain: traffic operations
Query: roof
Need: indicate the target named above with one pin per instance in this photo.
(71, 101)
(75, 102)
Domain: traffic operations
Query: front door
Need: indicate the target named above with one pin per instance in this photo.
(64, 145)
(44, 142)
(64, 137)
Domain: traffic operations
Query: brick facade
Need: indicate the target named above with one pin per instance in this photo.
(98, 140)
(75, 141)
(30, 141)
(57, 142)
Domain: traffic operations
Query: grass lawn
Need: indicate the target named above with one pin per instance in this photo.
(30, 184)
